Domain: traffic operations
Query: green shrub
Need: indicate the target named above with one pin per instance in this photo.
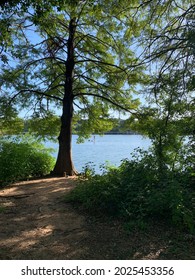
(22, 158)
(136, 191)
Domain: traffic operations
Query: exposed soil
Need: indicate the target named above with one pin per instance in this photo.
(35, 223)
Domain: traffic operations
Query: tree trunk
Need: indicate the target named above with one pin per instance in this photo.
(64, 164)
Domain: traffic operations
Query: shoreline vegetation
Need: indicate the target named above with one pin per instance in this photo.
(27, 126)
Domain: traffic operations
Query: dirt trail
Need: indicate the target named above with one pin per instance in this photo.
(35, 223)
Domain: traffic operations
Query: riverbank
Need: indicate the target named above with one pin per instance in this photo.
(36, 223)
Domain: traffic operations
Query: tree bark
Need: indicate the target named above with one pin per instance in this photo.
(64, 164)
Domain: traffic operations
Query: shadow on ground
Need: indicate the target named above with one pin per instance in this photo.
(36, 223)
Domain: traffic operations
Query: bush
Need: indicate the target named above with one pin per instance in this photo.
(22, 158)
(136, 191)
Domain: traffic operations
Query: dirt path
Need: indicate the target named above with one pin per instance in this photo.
(35, 223)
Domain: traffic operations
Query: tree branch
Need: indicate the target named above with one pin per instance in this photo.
(35, 92)
(102, 62)
(108, 100)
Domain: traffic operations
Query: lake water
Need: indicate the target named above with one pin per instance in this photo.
(99, 149)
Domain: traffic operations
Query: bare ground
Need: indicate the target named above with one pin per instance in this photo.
(36, 223)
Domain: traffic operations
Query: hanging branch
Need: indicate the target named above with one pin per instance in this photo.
(36, 92)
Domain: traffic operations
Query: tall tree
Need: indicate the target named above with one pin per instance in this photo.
(72, 55)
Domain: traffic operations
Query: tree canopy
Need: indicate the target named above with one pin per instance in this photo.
(88, 58)
(102, 63)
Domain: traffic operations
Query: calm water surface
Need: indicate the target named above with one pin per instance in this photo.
(100, 149)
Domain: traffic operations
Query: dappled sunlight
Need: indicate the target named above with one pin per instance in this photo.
(64, 189)
(153, 254)
(19, 219)
(7, 204)
(26, 239)
(11, 190)
(42, 182)
(37, 224)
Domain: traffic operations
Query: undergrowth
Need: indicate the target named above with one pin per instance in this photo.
(137, 192)
(22, 158)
